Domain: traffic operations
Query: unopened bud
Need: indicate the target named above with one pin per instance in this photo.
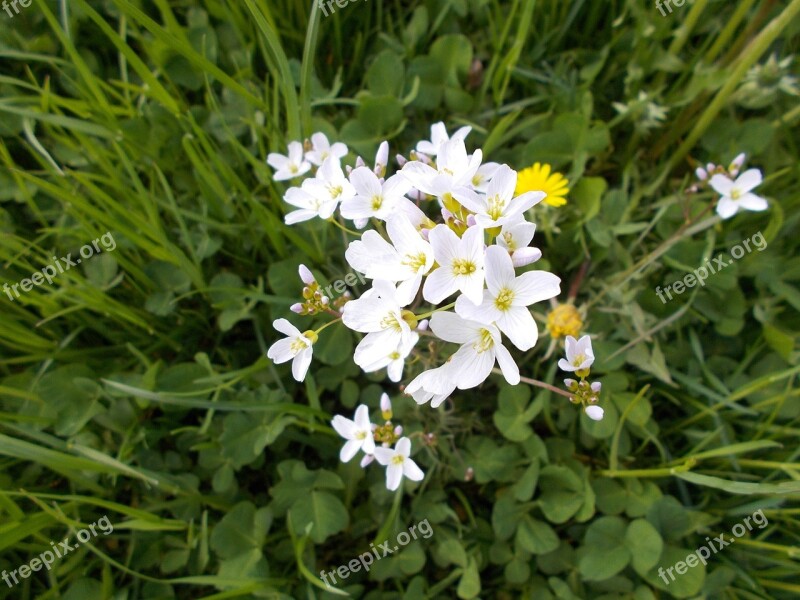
(296, 308)
(360, 162)
(401, 160)
(710, 167)
(306, 275)
(386, 407)
(325, 301)
(701, 173)
(595, 413)
(422, 325)
(596, 387)
(571, 384)
(525, 256)
(398, 431)
(737, 162)
(471, 220)
(469, 474)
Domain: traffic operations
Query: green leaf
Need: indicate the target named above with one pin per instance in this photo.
(324, 510)
(562, 493)
(604, 551)
(514, 414)
(537, 537)
(469, 586)
(645, 545)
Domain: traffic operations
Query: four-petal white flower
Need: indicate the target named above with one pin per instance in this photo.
(498, 206)
(460, 264)
(291, 166)
(579, 354)
(505, 302)
(736, 195)
(296, 347)
(398, 464)
(357, 432)
(439, 136)
(321, 149)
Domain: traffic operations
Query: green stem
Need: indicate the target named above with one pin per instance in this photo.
(328, 324)
(665, 472)
(435, 310)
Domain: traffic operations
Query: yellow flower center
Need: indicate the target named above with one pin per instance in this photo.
(496, 206)
(416, 262)
(504, 299)
(297, 345)
(361, 435)
(462, 266)
(564, 320)
(398, 459)
(509, 240)
(390, 321)
(293, 168)
(485, 342)
(477, 179)
(578, 360)
(735, 194)
(377, 202)
(395, 355)
(335, 191)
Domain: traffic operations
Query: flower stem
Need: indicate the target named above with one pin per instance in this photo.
(541, 384)
(441, 308)
(328, 324)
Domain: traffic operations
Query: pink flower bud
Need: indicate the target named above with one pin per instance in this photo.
(296, 308)
(422, 325)
(401, 160)
(360, 162)
(306, 275)
(471, 222)
(737, 162)
(710, 167)
(701, 173)
(570, 383)
(398, 431)
(596, 387)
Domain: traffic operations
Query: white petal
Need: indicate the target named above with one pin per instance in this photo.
(439, 284)
(499, 270)
(394, 475)
(525, 256)
(278, 161)
(594, 412)
(407, 290)
(344, 427)
(471, 368)
(519, 326)
(748, 180)
(349, 450)
(535, 286)
(486, 312)
(383, 455)
(565, 365)
(365, 182)
(472, 286)
(298, 216)
(452, 328)
(721, 184)
(362, 418)
(286, 328)
(281, 351)
(301, 363)
(507, 365)
(445, 243)
(726, 207)
(753, 202)
(503, 183)
(403, 447)
(412, 471)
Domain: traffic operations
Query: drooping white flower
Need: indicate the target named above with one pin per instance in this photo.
(515, 237)
(460, 264)
(291, 166)
(371, 354)
(594, 412)
(454, 170)
(357, 432)
(433, 385)
(481, 346)
(330, 184)
(379, 314)
(736, 195)
(310, 206)
(398, 464)
(580, 355)
(439, 136)
(322, 149)
(405, 260)
(736, 164)
(498, 206)
(296, 347)
(506, 300)
(374, 199)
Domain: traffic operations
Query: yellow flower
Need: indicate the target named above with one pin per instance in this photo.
(538, 178)
(564, 320)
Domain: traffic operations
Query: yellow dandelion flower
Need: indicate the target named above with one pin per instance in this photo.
(564, 320)
(539, 178)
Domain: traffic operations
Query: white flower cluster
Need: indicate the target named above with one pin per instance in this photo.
(735, 190)
(361, 434)
(470, 249)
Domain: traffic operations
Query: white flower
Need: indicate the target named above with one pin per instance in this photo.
(405, 260)
(330, 185)
(505, 302)
(579, 354)
(481, 345)
(322, 149)
(498, 206)
(378, 314)
(358, 433)
(296, 347)
(460, 264)
(371, 354)
(594, 412)
(454, 170)
(438, 137)
(736, 164)
(309, 205)
(398, 464)
(736, 194)
(515, 237)
(288, 167)
(374, 198)
(434, 385)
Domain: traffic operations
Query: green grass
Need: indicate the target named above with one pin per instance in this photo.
(136, 386)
